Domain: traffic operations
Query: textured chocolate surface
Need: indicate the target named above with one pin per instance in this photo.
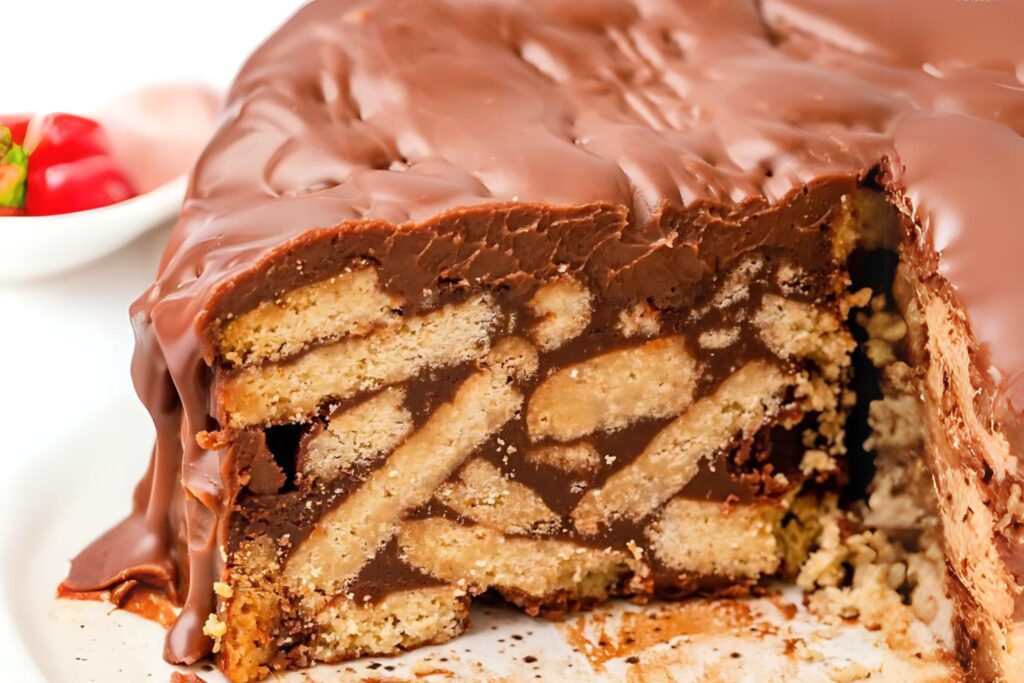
(648, 122)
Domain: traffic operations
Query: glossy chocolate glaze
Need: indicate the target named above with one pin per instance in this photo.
(652, 118)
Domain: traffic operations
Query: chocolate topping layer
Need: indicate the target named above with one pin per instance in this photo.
(429, 135)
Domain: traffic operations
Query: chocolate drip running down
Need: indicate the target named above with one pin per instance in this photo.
(431, 136)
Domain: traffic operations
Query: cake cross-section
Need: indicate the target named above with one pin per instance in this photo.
(563, 301)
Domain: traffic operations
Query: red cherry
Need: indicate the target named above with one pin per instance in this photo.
(75, 186)
(66, 137)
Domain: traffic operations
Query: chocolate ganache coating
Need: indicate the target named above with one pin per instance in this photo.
(407, 115)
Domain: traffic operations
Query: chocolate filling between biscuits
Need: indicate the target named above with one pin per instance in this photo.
(766, 469)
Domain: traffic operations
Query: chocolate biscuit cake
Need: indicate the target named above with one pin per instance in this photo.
(562, 301)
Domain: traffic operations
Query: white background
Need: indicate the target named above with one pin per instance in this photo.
(65, 342)
(58, 54)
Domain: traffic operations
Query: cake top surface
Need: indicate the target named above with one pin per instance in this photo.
(403, 110)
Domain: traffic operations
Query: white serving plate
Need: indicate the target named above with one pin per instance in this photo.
(59, 498)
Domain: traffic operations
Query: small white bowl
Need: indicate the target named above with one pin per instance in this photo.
(37, 246)
(155, 132)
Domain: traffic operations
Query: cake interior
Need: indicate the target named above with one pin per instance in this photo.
(560, 444)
